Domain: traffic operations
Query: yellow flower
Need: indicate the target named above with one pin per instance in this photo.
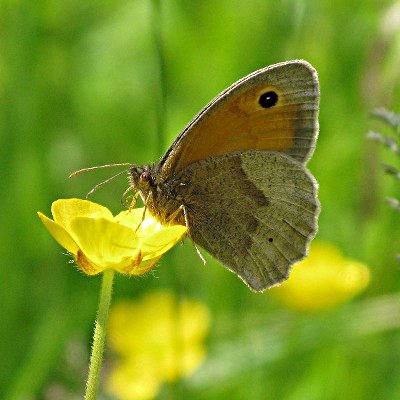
(323, 280)
(158, 338)
(98, 241)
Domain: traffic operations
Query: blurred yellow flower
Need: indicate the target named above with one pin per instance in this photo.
(98, 241)
(158, 338)
(323, 280)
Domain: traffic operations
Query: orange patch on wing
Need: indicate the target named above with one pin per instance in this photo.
(240, 123)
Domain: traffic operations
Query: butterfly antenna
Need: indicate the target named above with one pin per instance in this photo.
(81, 171)
(99, 185)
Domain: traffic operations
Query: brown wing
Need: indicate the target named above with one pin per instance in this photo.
(254, 211)
(274, 109)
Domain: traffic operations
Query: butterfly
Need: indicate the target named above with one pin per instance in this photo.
(236, 176)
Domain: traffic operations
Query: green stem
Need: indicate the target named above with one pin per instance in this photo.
(99, 336)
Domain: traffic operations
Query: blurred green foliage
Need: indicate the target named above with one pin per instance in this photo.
(82, 84)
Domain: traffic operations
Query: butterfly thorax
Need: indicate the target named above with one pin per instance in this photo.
(159, 194)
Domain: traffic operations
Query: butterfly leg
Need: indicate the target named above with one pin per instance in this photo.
(144, 209)
(126, 200)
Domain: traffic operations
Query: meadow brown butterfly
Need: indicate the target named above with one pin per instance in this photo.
(236, 175)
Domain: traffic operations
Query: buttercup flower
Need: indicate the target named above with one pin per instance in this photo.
(158, 338)
(323, 280)
(98, 241)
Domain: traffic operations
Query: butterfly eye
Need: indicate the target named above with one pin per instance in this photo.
(268, 99)
(145, 176)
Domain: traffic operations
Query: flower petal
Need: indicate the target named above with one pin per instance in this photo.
(65, 210)
(134, 379)
(131, 218)
(104, 242)
(59, 234)
(154, 238)
(141, 268)
(323, 281)
(159, 242)
(155, 337)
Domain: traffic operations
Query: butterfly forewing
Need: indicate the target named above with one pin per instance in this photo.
(242, 118)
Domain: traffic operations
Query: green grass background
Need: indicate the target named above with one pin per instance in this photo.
(82, 84)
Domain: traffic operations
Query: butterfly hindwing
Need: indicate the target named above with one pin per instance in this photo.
(254, 211)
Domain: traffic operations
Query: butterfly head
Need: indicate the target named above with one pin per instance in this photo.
(141, 178)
